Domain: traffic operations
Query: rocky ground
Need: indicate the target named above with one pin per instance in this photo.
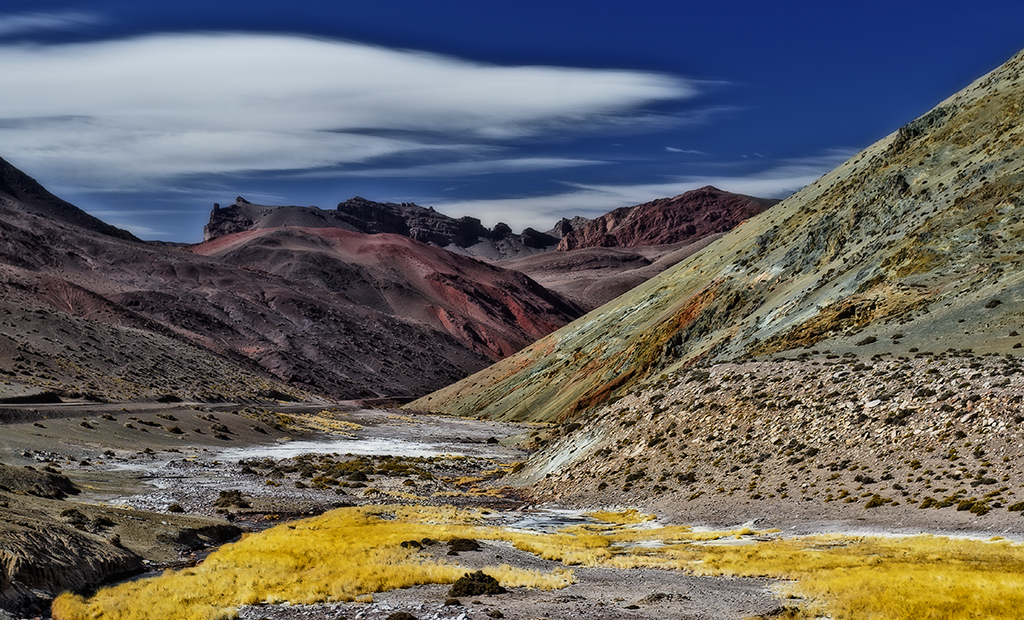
(164, 497)
(815, 443)
(921, 442)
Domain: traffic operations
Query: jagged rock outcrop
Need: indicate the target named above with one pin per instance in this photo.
(465, 235)
(40, 558)
(565, 226)
(686, 217)
(48, 546)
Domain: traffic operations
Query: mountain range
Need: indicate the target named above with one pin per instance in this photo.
(362, 302)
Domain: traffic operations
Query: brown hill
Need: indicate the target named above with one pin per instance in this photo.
(683, 218)
(492, 311)
(87, 313)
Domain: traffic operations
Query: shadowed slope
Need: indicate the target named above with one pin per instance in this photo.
(915, 240)
(25, 191)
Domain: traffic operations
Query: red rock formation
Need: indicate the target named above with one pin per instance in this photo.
(686, 217)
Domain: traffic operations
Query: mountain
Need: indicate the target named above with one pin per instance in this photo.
(912, 245)
(88, 311)
(598, 260)
(686, 217)
(491, 311)
(465, 235)
(16, 187)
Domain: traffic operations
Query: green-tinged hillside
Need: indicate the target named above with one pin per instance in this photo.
(913, 243)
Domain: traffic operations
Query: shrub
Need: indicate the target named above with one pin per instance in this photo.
(457, 545)
(475, 584)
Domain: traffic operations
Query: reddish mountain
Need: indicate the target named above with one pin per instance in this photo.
(490, 310)
(88, 310)
(684, 218)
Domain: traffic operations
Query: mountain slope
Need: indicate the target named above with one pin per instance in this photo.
(914, 243)
(89, 314)
(17, 187)
(492, 311)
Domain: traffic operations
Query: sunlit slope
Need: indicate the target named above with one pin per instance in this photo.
(914, 243)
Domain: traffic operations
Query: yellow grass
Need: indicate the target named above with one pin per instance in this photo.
(624, 517)
(910, 578)
(351, 553)
(325, 422)
(921, 577)
(339, 556)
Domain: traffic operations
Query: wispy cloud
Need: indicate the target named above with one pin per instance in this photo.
(27, 23)
(129, 113)
(461, 168)
(541, 212)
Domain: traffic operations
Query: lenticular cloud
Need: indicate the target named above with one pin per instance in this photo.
(154, 107)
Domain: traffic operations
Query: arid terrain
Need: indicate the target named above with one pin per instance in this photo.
(845, 363)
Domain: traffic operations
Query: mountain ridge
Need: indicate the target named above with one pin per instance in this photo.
(25, 190)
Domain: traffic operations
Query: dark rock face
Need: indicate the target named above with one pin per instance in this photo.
(565, 226)
(686, 217)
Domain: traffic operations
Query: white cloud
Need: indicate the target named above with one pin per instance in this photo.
(130, 112)
(463, 168)
(541, 212)
(24, 23)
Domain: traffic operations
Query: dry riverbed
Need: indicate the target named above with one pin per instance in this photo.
(153, 478)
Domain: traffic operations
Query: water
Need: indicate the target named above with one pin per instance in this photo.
(372, 446)
(548, 521)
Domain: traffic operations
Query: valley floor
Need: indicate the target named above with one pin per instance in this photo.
(144, 471)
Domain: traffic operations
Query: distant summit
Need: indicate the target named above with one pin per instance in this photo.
(686, 217)
(464, 235)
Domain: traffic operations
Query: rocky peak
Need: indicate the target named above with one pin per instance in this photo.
(686, 217)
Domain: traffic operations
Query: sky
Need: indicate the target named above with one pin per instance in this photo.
(146, 114)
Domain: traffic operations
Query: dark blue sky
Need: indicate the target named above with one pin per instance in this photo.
(146, 113)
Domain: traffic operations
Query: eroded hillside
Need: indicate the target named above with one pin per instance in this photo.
(914, 243)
